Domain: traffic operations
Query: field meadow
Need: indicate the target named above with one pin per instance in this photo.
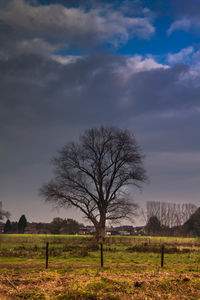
(132, 268)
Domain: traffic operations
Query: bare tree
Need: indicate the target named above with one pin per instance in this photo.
(170, 214)
(3, 213)
(93, 175)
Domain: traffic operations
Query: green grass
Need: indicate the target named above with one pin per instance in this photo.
(84, 250)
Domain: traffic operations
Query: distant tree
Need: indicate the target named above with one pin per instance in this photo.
(153, 226)
(56, 225)
(59, 225)
(3, 213)
(93, 176)
(192, 226)
(14, 227)
(8, 227)
(42, 227)
(70, 226)
(22, 224)
(170, 214)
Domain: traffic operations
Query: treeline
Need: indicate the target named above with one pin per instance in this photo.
(170, 214)
(162, 219)
(172, 219)
(57, 226)
(16, 227)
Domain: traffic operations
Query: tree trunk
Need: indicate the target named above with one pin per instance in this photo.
(100, 233)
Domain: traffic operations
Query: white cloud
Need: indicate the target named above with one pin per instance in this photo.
(182, 24)
(137, 63)
(190, 56)
(186, 24)
(180, 56)
(67, 59)
(191, 78)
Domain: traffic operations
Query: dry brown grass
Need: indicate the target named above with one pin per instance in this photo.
(65, 282)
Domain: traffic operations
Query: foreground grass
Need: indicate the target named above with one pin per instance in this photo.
(132, 268)
(69, 282)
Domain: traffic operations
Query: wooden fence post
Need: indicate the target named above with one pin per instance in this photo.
(101, 249)
(162, 255)
(47, 254)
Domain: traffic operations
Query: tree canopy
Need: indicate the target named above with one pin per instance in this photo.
(7, 227)
(22, 224)
(153, 226)
(59, 225)
(192, 226)
(93, 174)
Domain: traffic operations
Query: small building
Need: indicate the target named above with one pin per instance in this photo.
(139, 230)
(124, 232)
(87, 230)
(31, 228)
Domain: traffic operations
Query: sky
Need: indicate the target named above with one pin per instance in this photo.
(66, 66)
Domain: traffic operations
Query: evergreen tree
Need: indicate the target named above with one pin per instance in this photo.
(22, 224)
(8, 227)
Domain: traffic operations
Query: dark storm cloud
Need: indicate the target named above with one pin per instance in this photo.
(47, 87)
(38, 92)
(91, 84)
(31, 28)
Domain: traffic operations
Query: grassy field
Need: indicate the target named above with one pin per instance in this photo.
(131, 268)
